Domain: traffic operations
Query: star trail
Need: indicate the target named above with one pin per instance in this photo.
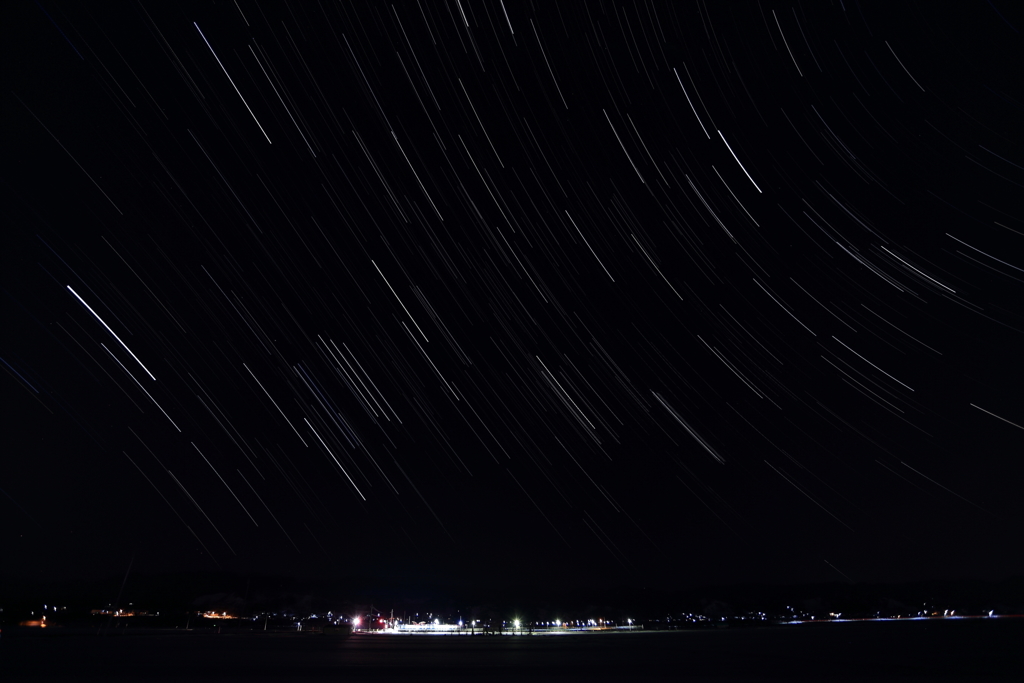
(639, 291)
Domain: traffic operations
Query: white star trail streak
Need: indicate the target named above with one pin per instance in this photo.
(80, 167)
(114, 334)
(277, 406)
(590, 247)
(272, 515)
(232, 82)
(164, 498)
(331, 453)
(695, 114)
(400, 301)
(202, 511)
(738, 162)
(137, 382)
(624, 151)
(997, 417)
(230, 490)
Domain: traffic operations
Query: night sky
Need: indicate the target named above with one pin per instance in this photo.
(660, 293)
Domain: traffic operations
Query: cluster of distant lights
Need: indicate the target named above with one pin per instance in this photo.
(689, 617)
(515, 624)
(436, 625)
(379, 623)
(41, 622)
(922, 615)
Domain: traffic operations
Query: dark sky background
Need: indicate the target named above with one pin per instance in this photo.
(664, 293)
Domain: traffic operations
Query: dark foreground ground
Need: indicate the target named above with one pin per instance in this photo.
(975, 650)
